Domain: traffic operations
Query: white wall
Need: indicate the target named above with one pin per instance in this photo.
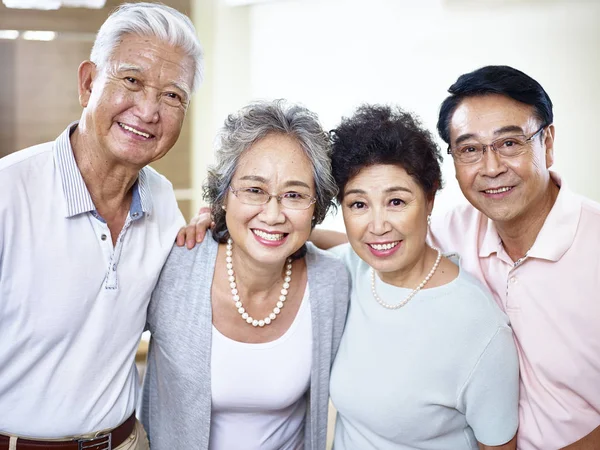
(332, 55)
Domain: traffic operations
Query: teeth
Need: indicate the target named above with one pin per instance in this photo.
(381, 247)
(133, 130)
(268, 236)
(497, 191)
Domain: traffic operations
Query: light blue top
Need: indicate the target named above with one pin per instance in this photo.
(439, 373)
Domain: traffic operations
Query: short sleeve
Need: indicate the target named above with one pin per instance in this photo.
(490, 397)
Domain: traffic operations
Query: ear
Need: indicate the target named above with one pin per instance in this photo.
(549, 143)
(430, 203)
(85, 77)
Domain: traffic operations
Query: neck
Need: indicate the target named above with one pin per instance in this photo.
(413, 274)
(256, 279)
(519, 235)
(109, 183)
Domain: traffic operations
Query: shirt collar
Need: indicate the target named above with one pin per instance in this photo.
(557, 233)
(77, 197)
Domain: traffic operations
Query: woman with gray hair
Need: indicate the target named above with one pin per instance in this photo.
(246, 325)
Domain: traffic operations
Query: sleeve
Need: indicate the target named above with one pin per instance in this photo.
(345, 253)
(490, 397)
(342, 300)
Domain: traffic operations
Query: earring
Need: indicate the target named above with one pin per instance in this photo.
(313, 218)
(223, 208)
(429, 220)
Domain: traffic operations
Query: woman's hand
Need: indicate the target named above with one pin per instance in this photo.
(195, 231)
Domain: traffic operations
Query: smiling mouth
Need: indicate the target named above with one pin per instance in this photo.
(269, 236)
(497, 191)
(134, 131)
(382, 247)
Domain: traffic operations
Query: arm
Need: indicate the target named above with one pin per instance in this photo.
(325, 239)
(490, 396)
(589, 442)
(194, 232)
(511, 445)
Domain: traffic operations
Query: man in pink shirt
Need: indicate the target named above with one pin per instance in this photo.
(534, 243)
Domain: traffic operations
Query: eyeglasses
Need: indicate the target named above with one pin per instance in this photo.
(506, 147)
(289, 200)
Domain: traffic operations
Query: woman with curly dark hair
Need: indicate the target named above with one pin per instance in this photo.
(427, 359)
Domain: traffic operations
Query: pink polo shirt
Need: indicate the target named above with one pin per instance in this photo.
(552, 298)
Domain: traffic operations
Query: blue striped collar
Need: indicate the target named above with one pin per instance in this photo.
(77, 197)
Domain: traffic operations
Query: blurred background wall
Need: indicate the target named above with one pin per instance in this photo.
(330, 55)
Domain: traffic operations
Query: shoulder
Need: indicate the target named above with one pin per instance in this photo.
(461, 217)
(181, 258)
(26, 173)
(475, 304)
(23, 160)
(348, 256)
(590, 210)
(457, 228)
(156, 179)
(158, 184)
(322, 259)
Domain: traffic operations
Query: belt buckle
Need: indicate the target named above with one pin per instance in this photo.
(100, 442)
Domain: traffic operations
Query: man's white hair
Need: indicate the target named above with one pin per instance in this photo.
(148, 19)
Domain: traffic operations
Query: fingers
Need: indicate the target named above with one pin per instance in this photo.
(195, 231)
(180, 240)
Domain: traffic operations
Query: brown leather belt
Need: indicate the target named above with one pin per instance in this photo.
(106, 441)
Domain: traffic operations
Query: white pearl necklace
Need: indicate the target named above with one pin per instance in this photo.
(236, 298)
(414, 292)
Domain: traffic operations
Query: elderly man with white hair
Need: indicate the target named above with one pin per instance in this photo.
(85, 228)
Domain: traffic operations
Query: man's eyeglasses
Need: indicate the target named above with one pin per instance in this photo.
(289, 200)
(506, 147)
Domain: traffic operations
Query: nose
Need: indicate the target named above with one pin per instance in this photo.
(272, 213)
(378, 223)
(492, 163)
(147, 107)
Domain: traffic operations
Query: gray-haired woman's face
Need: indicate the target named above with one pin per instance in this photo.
(271, 232)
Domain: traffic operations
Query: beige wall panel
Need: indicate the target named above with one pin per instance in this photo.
(185, 206)
(175, 165)
(7, 98)
(67, 19)
(46, 88)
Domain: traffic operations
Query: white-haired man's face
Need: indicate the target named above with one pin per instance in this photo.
(134, 107)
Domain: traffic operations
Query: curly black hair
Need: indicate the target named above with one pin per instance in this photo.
(380, 134)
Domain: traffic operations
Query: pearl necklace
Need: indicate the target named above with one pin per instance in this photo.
(414, 292)
(236, 298)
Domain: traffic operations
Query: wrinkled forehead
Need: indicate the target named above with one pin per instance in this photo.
(489, 115)
(149, 56)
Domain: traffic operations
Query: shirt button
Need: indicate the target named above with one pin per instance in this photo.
(103, 237)
(136, 214)
(513, 280)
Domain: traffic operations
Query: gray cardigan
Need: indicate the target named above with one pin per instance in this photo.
(176, 398)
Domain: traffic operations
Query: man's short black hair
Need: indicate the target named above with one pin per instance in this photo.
(502, 80)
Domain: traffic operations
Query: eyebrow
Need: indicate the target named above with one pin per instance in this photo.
(499, 131)
(125, 67)
(265, 181)
(387, 191)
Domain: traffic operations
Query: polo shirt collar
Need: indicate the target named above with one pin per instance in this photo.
(77, 197)
(557, 233)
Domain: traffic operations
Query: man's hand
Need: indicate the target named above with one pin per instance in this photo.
(194, 232)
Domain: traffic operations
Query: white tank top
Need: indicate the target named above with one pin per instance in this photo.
(258, 390)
